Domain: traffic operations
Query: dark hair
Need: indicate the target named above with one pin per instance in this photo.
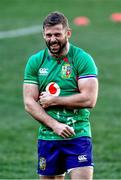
(55, 18)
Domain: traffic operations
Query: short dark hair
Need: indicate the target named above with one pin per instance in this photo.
(55, 18)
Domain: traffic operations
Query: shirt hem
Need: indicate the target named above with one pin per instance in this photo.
(59, 139)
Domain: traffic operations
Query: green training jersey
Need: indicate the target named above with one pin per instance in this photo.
(59, 77)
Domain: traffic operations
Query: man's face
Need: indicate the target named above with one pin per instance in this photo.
(56, 38)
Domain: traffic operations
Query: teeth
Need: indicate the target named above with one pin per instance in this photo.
(54, 45)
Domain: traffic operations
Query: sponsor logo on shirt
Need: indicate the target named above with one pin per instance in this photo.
(66, 71)
(43, 71)
(53, 89)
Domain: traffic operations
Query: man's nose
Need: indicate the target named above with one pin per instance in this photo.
(53, 38)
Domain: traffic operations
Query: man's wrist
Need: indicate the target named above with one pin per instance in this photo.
(57, 100)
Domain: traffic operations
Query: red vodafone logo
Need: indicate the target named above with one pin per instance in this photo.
(53, 89)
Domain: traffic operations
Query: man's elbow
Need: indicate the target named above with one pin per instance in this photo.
(27, 106)
(90, 104)
(91, 101)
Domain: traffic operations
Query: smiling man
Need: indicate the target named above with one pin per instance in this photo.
(60, 86)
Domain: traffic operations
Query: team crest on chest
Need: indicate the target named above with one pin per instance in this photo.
(66, 71)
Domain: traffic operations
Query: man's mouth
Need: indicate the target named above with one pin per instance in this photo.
(54, 46)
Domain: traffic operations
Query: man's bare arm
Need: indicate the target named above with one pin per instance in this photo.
(87, 97)
(31, 94)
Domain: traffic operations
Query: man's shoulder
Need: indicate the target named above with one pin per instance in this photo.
(74, 47)
(38, 54)
(37, 58)
(75, 50)
(78, 53)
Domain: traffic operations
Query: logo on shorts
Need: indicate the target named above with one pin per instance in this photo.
(53, 89)
(82, 158)
(42, 163)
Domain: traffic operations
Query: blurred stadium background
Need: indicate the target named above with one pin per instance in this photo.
(102, 39)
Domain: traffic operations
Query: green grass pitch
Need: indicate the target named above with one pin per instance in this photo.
(102, 39)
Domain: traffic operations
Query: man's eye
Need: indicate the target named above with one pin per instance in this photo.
(57, 35)
(48, 35)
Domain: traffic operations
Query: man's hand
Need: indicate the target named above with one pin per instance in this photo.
(63, 130)
(46, 100)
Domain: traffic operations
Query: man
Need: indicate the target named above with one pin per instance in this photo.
(60, 85)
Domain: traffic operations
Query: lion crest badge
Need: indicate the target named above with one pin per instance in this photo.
(42, 163)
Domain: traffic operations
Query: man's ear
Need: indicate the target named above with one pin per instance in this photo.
(69, 32)
(43, 34)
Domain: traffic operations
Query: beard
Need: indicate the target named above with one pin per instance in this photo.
(56, 47)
